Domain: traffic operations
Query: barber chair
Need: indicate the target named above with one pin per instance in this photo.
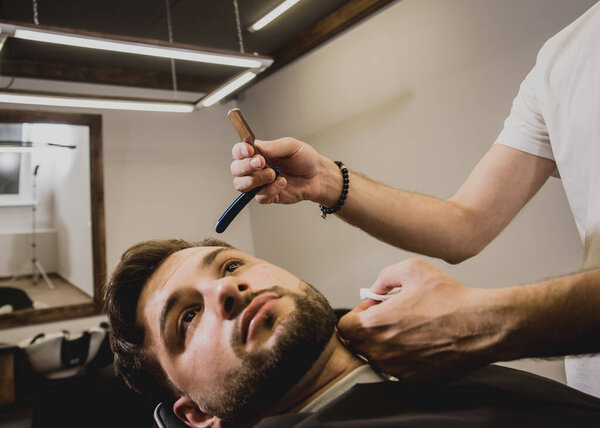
(71, 382)
(165, 418)
(95, 400)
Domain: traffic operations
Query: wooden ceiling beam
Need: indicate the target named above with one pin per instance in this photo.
(104, 75)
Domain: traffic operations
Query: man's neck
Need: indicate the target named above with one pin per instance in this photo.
(335, 362)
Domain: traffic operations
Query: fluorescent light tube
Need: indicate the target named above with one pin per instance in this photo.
(275, 13)
(137, 48)
(61, 101)
(227, 89)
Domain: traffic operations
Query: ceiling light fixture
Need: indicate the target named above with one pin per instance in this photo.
(229, 87)
(272, 15)
(254, 64)
(15, 97)
(113, 44)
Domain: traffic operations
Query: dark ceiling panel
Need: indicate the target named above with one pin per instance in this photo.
(207, 23)
(126, 17)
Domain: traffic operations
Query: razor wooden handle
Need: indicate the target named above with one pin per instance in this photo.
(241, 126)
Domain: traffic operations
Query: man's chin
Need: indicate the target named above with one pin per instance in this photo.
(267, 374)
(268, 333)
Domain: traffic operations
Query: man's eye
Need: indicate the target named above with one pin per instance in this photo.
(187, 318)
(231, 266)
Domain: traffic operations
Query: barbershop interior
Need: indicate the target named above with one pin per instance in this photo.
(114, 129)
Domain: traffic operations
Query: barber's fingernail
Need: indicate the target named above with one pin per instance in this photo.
(281, 182)
(245, 151)
(255, 163)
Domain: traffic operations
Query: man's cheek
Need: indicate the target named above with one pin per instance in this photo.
(211, 366)
(211, 345)
(265, 276)
(259, 277)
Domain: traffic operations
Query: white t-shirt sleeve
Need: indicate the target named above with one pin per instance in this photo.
(525, 129)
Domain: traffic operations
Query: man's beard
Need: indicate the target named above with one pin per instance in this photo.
(265, 376)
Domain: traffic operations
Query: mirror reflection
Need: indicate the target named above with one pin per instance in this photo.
(46, 227)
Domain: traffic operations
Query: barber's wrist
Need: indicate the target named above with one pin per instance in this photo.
(331, 183)
(534, 331)
(506, 319)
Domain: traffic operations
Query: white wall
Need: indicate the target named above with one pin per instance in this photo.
(167, 175)
(72, 205)
(414, 97)
(15, 251)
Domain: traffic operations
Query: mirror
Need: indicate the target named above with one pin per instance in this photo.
(52, 240)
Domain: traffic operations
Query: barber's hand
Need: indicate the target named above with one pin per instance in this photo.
(433, 328)
(303, 171)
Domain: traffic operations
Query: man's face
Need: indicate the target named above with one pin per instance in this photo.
(232, 332)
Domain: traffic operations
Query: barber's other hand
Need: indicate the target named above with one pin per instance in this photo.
(304, 172)
(435, 327)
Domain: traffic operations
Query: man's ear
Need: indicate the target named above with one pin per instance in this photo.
(186, 410)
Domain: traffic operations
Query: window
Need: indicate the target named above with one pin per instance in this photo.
(10, 173)
(15, 167)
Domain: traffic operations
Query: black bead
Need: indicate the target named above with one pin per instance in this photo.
(343, 196)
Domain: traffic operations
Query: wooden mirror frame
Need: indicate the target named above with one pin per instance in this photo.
(94, 124)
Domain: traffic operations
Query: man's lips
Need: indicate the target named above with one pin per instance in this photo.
(254, 313)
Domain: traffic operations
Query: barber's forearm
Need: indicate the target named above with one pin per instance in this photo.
(498, 187)
(417, 223)
(552, 318)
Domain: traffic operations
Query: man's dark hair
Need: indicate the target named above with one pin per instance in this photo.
(135, 364)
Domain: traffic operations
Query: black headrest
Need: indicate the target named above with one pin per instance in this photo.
(165, 418)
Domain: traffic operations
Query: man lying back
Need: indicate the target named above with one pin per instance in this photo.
(222, 333)
(225, 336)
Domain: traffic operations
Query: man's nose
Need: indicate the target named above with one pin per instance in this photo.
(229, 295)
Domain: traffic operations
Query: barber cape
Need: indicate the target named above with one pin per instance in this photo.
(492, 396)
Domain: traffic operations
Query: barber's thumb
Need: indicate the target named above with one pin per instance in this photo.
(350, 326)
(388, 279)
(281, 148)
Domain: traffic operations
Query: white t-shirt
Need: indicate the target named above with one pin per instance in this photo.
(556, 115)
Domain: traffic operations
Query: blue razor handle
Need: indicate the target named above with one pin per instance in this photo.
(238, 205)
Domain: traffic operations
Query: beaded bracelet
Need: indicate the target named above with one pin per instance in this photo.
(345, 187)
